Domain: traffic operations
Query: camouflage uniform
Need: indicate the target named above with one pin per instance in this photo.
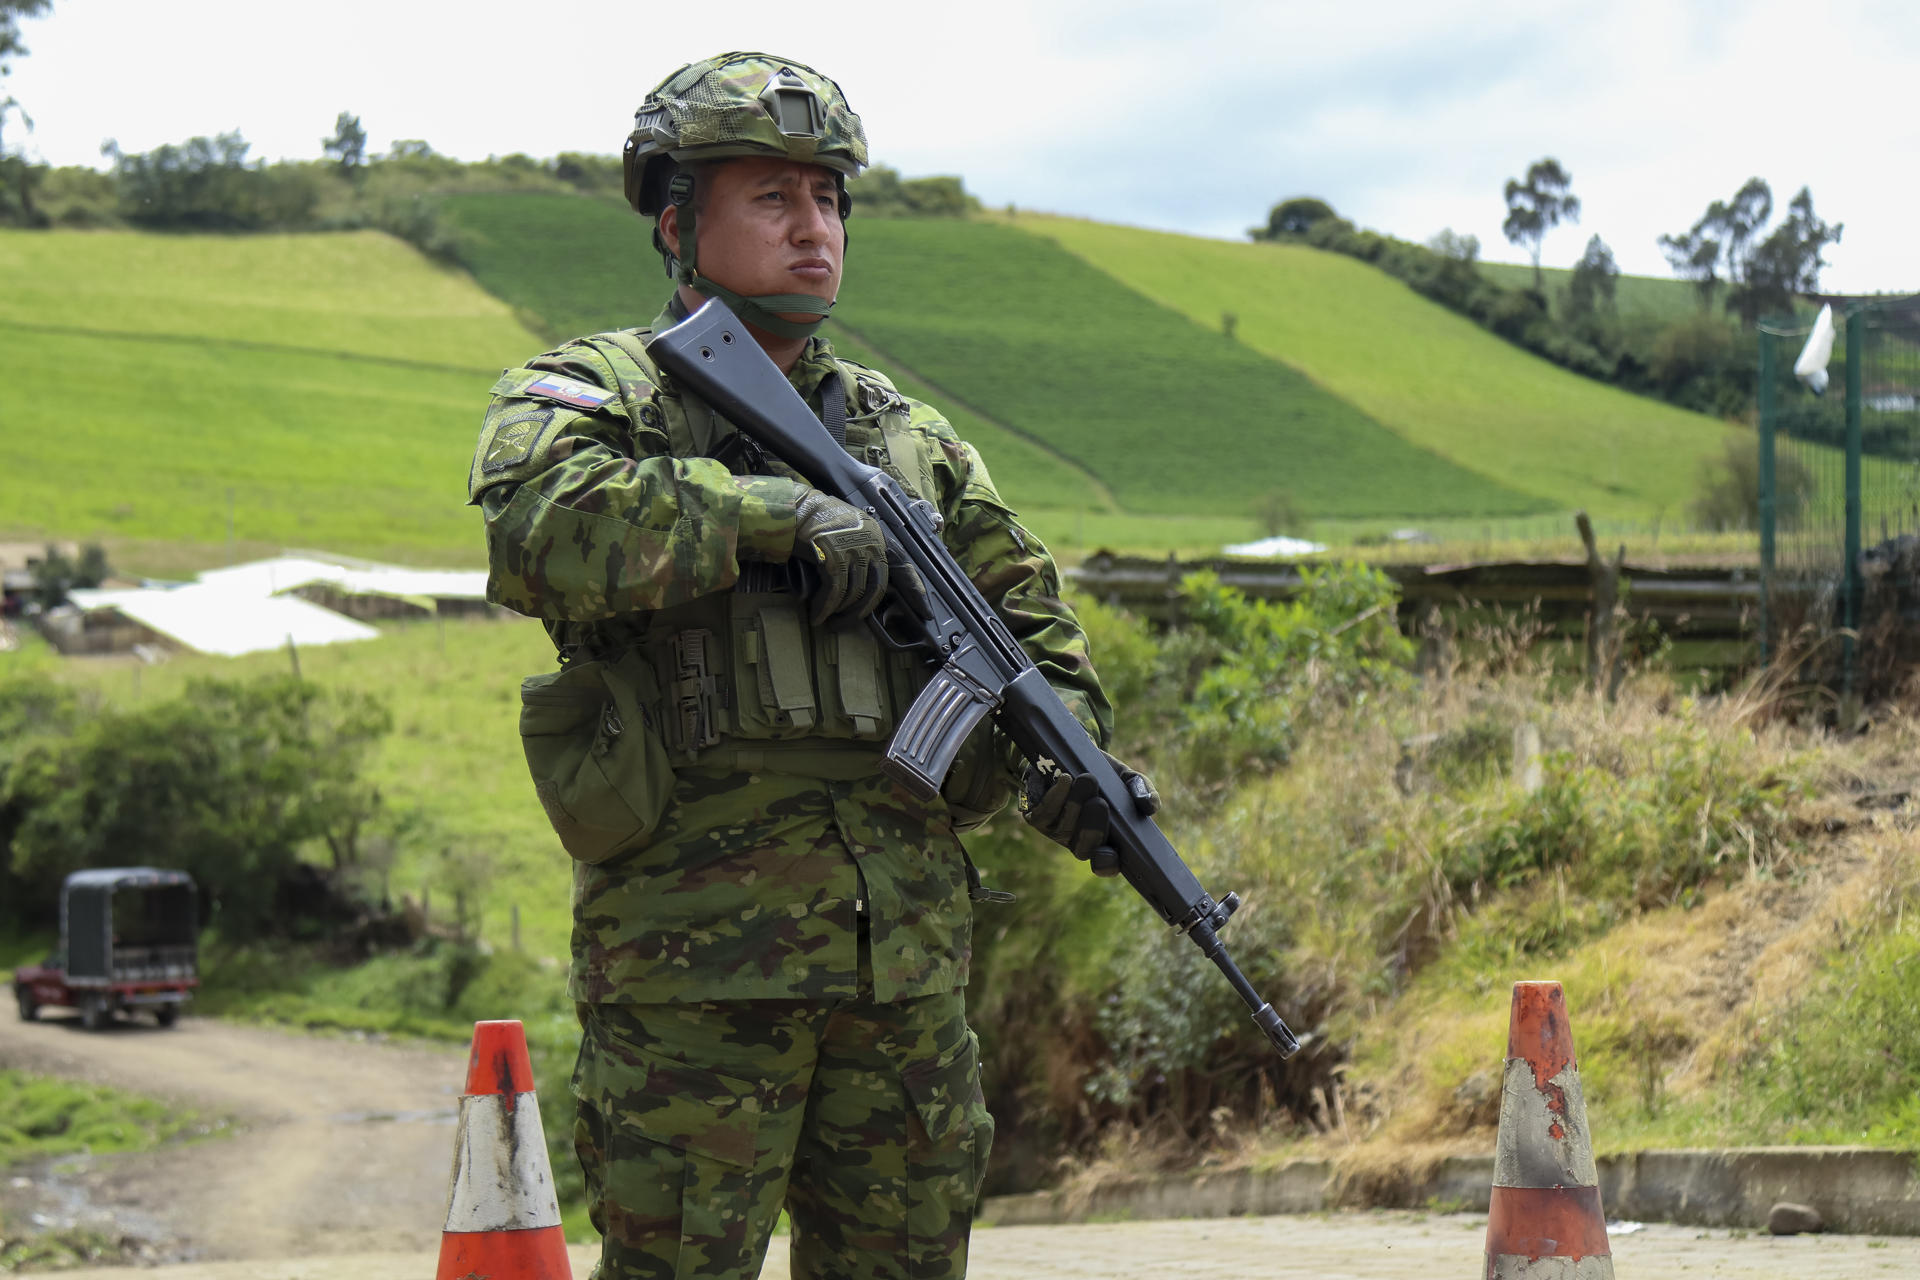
(770, 936)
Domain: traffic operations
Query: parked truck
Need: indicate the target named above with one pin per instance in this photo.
(128, 941)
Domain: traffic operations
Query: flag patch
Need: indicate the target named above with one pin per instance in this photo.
(567, 391)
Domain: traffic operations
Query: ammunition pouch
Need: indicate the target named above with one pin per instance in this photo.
(591, 736)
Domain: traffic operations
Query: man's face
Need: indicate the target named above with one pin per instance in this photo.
(769, 226)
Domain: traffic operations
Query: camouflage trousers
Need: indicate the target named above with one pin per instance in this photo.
(697, 1123)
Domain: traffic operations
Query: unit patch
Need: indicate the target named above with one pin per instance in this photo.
(580, 395)
(511, 441)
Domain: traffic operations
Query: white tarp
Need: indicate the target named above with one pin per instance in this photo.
(437, 584)
(213, 618)
(245, 608)
(359, 578)
(1277, 546)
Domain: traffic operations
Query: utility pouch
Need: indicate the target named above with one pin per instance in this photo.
(591, 736)
(853, 682)
(773, 667)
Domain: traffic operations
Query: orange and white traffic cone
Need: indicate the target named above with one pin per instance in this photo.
(1545, 1222)
(503, 1217)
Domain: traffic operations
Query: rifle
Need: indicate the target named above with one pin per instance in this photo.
(983, 670)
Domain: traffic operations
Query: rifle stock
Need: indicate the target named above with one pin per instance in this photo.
(983, 670)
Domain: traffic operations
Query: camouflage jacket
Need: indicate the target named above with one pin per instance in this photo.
(751, 885)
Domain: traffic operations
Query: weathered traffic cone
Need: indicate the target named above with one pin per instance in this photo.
(503, 1218)
(1545, 1222)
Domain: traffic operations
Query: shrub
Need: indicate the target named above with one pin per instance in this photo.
(227, 782)
(1729, 493)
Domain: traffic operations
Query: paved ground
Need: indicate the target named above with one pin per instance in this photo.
(339, 1173)
(1387, 1246)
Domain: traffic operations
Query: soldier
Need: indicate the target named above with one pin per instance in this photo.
(771, 938)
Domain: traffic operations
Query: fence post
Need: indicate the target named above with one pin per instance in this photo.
(1850, 606)
(1765, 397)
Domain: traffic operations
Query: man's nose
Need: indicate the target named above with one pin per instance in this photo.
(815, 223)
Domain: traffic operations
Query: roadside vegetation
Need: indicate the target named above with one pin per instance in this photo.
(1726, 895)
(45, 1118)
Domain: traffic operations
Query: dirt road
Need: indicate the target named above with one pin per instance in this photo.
(340, 1145)
(339, 1173)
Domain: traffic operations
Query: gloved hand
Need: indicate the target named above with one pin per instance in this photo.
(846, 548)
(1068, 810)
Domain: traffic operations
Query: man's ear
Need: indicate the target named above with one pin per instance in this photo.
(670, 228)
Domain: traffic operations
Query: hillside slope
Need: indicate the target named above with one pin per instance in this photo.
(1432, 376)
(331, 383)
(1171, 416)
(1071, 384)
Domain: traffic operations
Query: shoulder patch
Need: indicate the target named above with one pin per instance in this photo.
(511, 440)
(570, 391)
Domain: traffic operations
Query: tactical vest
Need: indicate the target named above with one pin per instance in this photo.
(742, 680)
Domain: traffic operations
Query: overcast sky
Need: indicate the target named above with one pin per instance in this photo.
(1408, 116)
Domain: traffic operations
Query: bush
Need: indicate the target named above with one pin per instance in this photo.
(228, 783)
(1700, 363)
(1729, 493)
(881, 192)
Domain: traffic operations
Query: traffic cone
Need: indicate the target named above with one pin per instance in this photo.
(1545, 1221)
(503, 1218)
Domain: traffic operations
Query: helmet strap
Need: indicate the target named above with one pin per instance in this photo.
(760, 312)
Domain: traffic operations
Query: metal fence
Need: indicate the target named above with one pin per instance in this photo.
(1839, 474)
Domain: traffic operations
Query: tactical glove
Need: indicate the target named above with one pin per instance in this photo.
(1068, 810)
(847, 550)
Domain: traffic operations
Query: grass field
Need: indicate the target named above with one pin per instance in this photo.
(578, 264)
(332, 383)
(1071, 393)
(1167, 413)
(1432, 376)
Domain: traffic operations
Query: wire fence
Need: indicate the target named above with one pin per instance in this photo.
(1839, 475)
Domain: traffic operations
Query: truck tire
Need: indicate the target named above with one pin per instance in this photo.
(95, 1013)
(29, 1008)
(166, 1014)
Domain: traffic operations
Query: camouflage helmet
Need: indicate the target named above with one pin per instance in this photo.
(728, 107)
(739, 104)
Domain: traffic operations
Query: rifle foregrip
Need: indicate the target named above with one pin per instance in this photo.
(931, 733)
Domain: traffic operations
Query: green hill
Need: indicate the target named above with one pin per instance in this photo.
(1433, 377)
(1170, 415)
(1071, 384)
(331, 383)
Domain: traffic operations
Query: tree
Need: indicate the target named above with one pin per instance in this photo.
(11, 11)
(1293, 217)
(1725, 246)
(1538, 205)
(348, 145)
(1595, 278)
(17, 177)
(54, 575)
(226, 782)
(1786, 263)
(1695, 255)
(208, 184)
(1449, 243)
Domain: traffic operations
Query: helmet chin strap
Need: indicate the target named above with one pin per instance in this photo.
(762, 311)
